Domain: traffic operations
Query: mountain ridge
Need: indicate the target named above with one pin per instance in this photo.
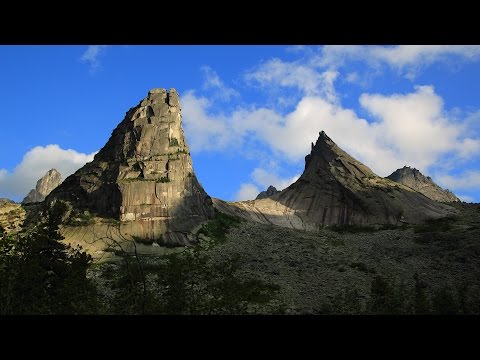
(414, 179)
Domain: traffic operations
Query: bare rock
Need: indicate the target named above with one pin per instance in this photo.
(336, 189)
(44, 187)
(144, 176)
(272, 190)
(414, 179)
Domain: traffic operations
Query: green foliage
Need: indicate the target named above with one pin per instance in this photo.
(347, 303)
(444, 303)
(385, 298)
(336, 242)
(354, 229)
(188, 283)
(78, 218)
(218, 228)
(421, 304)
(41, 275)
(393, 227)
(173, 142)
(163, 179)
(360, 266)
(436, 225)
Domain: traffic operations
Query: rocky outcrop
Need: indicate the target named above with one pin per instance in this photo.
(415, 180)
(144, 176)
(272, 190)
(44, 187)
(336, 189)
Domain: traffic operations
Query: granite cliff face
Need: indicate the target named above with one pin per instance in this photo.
(44, 187)
(414, 179)
(143, 176)
(272, 190)
(336, 189)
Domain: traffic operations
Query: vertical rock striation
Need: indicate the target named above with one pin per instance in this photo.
(144, 176)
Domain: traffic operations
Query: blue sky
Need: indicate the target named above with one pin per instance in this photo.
(249, 112)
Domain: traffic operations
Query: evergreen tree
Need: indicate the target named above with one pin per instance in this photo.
(42, 275)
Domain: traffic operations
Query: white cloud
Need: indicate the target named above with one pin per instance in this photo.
(409, 129)
(414, 125)
(466, 198)
(278, 73)
(266, 178)
(247, 191)
(407, 59)
(468, 180)
(35, 163)
(204, 131)
(213, 81)
(92, 55)
(468, 147)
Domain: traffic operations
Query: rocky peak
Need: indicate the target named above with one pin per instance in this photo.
(336, 189)
(272, 190)
(144, 176)
(415, 180)
(327, 159)
(44, 186)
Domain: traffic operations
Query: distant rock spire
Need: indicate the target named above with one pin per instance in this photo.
(415, 180)
(45, 186)
(272, 190)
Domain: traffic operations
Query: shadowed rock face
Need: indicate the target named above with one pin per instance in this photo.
(272, 190)
(336, 189)
(143, 176)
(414, 179)
(44, 187)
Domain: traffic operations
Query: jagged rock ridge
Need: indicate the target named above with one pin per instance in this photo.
(414, 179)
(272, 190)
(144, 176)
(336, 189)
(45, 186)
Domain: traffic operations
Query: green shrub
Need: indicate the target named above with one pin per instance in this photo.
(360, 266)
(436, 225)
(352, 228)
(218, 228)
(163, 179)
(79, 218)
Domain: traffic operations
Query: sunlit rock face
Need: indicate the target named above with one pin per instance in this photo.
(144, 176)
(414, 179)
(44, 186)
(336, 189)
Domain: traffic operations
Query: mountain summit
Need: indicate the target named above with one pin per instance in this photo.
(272, 190)
(414, 179)
(336, 189)
(144, 176)
(44, 187)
